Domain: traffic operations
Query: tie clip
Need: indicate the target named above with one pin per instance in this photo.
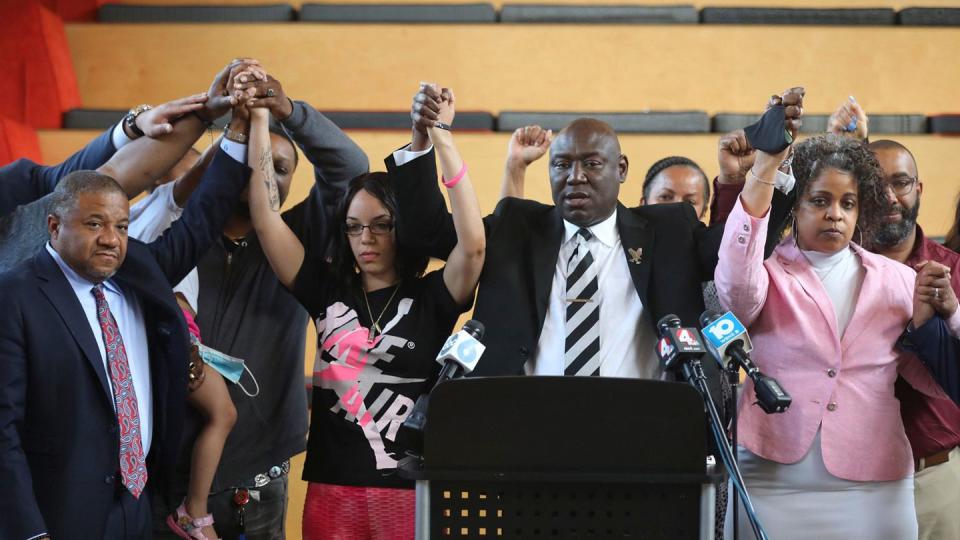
(580, 300)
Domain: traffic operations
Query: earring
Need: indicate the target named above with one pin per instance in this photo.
(793, 230)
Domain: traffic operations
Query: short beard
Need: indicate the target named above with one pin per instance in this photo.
(891, 234)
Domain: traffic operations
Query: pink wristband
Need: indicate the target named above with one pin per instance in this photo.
(452, 182)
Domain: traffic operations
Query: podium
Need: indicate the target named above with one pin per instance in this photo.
(564, 457)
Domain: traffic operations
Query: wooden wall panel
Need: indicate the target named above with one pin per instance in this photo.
(532, 67)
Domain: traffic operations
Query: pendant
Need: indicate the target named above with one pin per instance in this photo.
(372, 334)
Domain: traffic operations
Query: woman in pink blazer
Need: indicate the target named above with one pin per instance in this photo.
(824, 315)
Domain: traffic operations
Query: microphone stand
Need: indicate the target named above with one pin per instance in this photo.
(733, 378)
(693, 373)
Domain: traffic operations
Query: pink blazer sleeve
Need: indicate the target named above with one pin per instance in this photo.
(741, 279)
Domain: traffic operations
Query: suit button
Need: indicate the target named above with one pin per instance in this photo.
(831, 373)
(832, 406)
(741, 239)
(524, 352)
(746, 228)
(108, 479)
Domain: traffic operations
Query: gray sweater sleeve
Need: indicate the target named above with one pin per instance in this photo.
(336, 159)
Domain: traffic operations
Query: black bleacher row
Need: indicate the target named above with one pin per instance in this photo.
(623, 122)
(526, 13)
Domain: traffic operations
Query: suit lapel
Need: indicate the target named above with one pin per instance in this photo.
(54, 285)
(859, 320)
(795, 264)
(637, 242)
(543, 260)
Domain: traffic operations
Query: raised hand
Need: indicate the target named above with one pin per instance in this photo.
(158, 121)
(447, 109)
(528, 144)
(262, 92)
(425, 112)
(792, 101)
(846, 113)
(735, 156)
(220, 98)
(933, 288)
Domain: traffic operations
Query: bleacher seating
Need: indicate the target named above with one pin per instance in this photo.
(945, 123)
(398, 13)
(929, 17)
(589, 13)
(817, 123)
(765, 15)
(126, 13)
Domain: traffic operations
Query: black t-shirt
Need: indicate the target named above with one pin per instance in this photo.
(363, 391)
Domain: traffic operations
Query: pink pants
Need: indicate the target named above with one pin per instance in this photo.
(358, 513)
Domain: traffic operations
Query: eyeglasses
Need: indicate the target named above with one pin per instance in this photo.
(901, 185)
(378, 228)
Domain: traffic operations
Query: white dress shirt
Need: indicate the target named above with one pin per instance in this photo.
(129, 316)
(627, 340)
(150, 217)
(154, 214)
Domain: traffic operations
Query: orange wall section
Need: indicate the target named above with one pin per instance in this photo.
(38, 83)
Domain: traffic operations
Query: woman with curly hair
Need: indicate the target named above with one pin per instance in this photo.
(824, 315)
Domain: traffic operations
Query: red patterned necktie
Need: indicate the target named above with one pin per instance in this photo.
(133, 469)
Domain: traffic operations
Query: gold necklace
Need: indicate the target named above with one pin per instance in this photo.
(375, 327)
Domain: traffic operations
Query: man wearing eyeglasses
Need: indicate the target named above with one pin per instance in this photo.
(932, 425)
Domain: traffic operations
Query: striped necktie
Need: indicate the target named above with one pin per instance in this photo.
(133, 469)
(582, 351)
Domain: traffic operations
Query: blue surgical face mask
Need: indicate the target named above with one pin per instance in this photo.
(231, 368)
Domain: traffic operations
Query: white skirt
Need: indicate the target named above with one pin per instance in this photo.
(803, 501)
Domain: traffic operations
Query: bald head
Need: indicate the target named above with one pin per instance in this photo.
(592, 129)
(586, 170)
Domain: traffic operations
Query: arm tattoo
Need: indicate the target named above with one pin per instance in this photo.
(269, 179)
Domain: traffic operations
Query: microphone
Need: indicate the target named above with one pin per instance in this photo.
(728, 342)
(459, 356)
(677, 344)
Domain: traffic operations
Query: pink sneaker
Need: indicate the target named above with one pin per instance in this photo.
(185, 526)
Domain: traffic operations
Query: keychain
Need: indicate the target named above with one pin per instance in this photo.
(241, 496)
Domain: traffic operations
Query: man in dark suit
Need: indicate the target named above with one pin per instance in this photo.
(545, 314)
(135, 152)
(94, 354)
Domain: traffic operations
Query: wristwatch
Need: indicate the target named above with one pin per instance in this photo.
(130, 120)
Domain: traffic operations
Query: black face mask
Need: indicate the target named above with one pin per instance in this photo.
(770, 134)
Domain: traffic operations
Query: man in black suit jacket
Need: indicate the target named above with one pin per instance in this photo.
(59, 442)
(668, 252)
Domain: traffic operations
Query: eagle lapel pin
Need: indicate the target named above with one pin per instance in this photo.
(636, 255)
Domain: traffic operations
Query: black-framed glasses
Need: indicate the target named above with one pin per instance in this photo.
(380, 227)
(901, 185)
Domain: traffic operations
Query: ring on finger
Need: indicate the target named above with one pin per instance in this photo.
(936, 293)
(271, 92)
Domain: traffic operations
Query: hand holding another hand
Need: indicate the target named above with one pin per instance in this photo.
(933, 293)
